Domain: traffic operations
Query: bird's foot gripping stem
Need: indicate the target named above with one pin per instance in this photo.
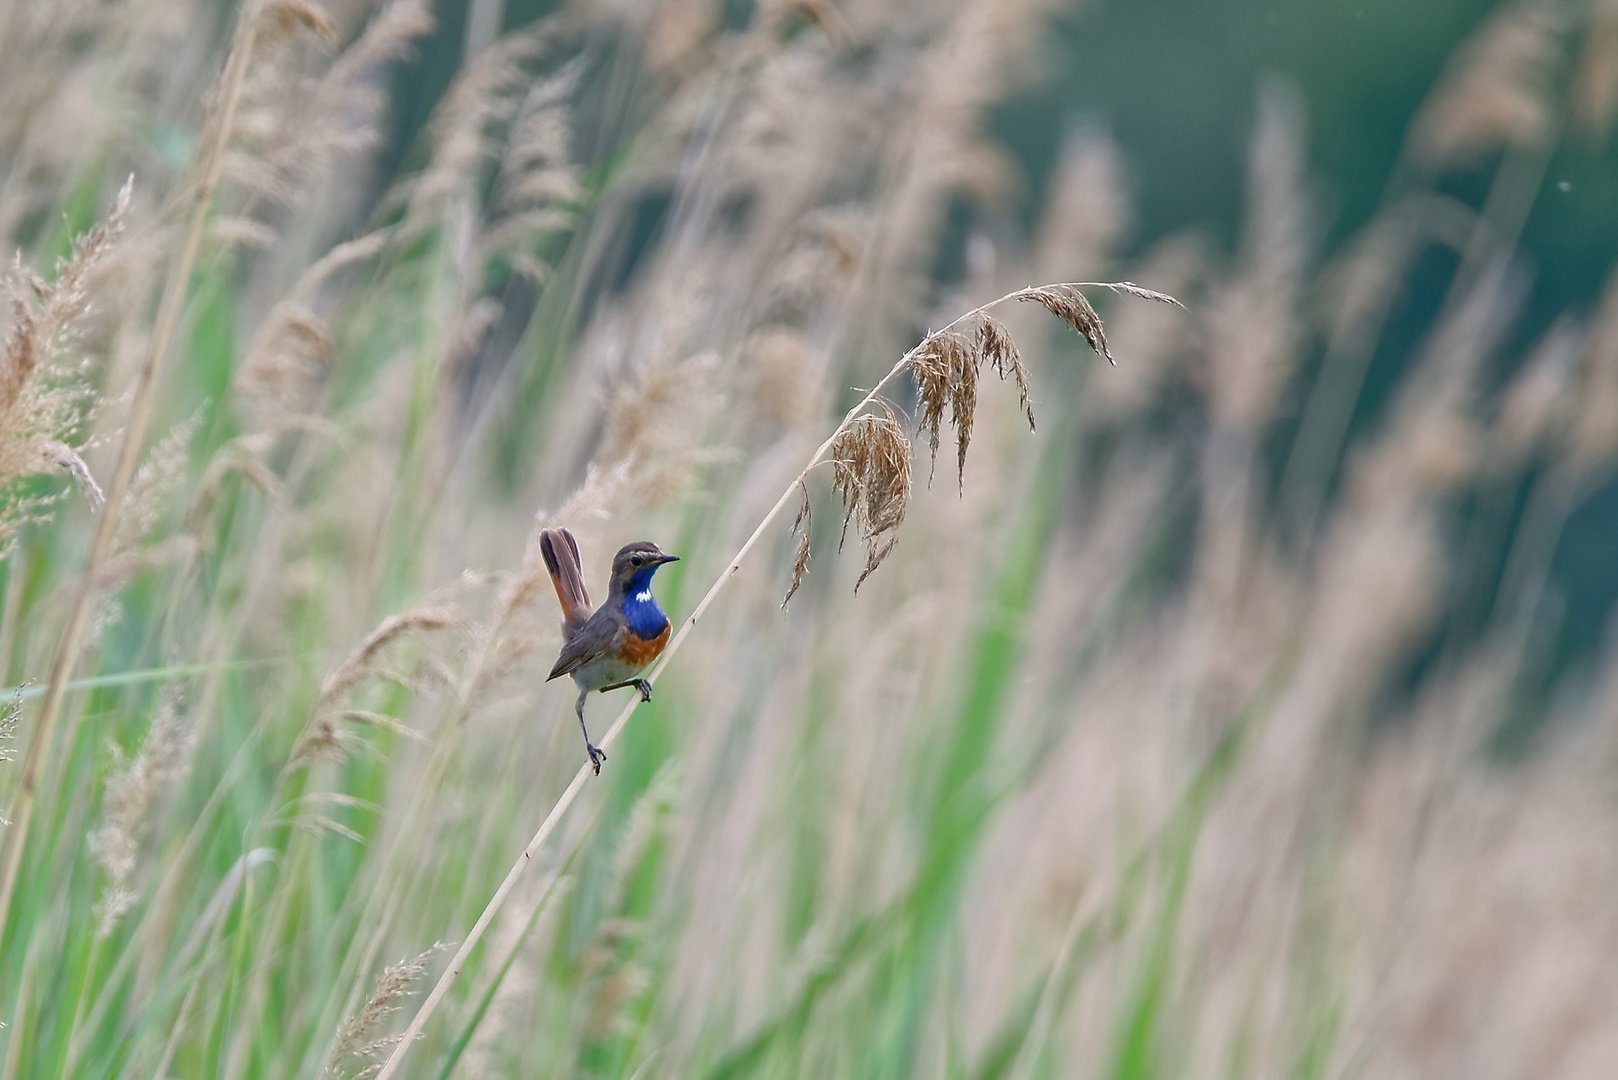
(642, 685)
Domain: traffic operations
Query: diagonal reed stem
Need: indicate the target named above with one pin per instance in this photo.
(212, 160)
(548, 826)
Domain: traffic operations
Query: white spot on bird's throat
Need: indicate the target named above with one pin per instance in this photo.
(644, 596)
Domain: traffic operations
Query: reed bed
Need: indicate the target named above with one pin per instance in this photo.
(1190, 724)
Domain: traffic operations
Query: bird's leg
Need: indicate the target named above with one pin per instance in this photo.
(642, 685)
(597, 755)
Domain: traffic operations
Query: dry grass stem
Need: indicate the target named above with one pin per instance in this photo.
(280, 376)
(240, 456)
(1539, 403)
(387, 723)
(292, 125)
(277, 379)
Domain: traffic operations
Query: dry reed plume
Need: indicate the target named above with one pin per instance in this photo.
(44, 387)
(132, 790)
(356, 1044)
(870, 453)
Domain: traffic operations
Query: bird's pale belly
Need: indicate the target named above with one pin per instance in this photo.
(633, 653)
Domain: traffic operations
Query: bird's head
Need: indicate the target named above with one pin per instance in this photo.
(634, 565)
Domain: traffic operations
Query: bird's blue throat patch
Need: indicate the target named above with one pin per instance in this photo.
(641, 612)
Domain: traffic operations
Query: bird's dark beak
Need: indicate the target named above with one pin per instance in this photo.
(661, 558)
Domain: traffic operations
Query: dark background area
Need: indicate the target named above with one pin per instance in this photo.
(1175, 83)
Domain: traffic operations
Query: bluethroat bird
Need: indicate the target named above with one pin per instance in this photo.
(606, 650)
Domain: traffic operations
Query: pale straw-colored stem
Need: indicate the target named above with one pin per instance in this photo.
(548, 826)
(212, 160)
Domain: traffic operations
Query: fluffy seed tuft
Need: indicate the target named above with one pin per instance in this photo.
(361, 661)
(871, 456)
(1067, 303)
(358, 1054)
(10, 716)
(45, 392)
(995, 346)
(324, 739)
(58, 453)
(946, 366)
(289, 16)
(131, 793)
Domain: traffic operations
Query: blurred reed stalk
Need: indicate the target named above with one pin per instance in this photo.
(208, 168)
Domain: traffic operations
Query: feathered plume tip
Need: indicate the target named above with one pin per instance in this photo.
(287, 17)
(1067, 303)
(360, 1051)
(871, 457)
(45, 393)
(946, 366)
(324, 738)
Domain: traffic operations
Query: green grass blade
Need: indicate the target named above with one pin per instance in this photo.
(150, 675)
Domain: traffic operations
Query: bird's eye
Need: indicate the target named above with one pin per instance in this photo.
(635, 560)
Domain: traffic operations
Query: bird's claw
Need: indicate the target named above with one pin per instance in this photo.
(645, 689)
(597, 756)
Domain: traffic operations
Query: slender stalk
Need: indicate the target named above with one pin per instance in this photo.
(212, 160)
(1033, 1042)
(138, 937)
(549, 824)
(572, 792)
(19, 1018)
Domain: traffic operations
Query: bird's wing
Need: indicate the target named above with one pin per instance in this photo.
(596, 637)
(561, 554)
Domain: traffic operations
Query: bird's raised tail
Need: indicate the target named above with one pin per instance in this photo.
(561, 554)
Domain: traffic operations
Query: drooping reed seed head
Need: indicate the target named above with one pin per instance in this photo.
(871, 456)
